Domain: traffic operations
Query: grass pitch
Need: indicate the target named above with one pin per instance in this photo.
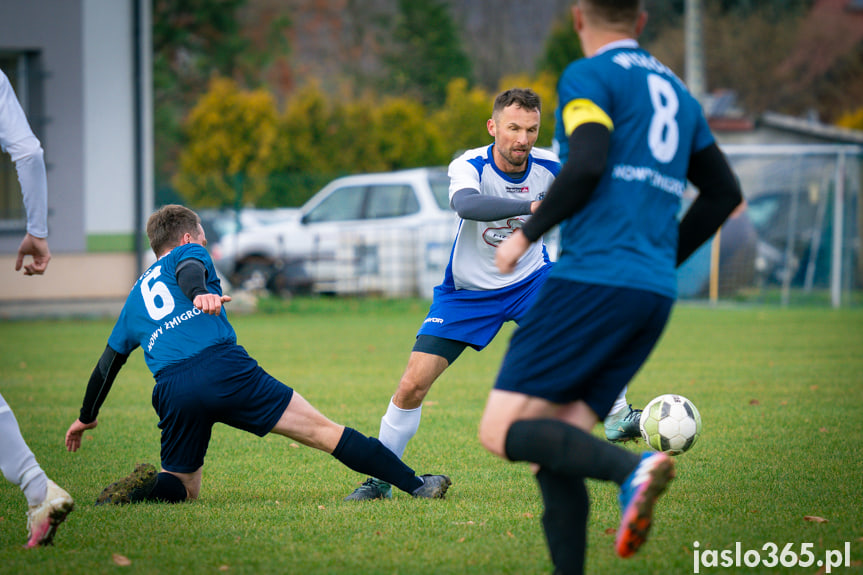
(779, 461)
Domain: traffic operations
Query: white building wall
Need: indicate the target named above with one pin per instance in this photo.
(87, 50)
(109, 120)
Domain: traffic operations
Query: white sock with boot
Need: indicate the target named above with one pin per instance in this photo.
(398, 426)
(18, 463)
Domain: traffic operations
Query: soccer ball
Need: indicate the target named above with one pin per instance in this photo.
(670, 423)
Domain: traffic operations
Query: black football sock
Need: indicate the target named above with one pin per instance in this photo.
(564, 520)
(168, 489)
(567, 450)
(370, 456)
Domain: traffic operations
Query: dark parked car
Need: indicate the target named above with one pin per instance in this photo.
(795, 230)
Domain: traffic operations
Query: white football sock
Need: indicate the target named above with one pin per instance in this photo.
(619, 403)
(17, 462)
(398, 426)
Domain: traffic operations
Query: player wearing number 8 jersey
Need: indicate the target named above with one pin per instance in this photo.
(655, 125)
(175, 313)
(630, 136)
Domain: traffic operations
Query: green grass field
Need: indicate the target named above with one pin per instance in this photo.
(780, 393)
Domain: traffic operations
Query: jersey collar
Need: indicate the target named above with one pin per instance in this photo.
(628, 43)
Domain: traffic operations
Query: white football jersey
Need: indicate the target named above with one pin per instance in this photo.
(471, 264)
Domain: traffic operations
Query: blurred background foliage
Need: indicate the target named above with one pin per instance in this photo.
(261, 102)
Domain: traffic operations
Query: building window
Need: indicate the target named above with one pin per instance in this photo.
(24, 73)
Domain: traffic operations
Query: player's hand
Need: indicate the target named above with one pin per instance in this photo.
(75, 432)
(211, 303)
(36, 247)
(509, 251)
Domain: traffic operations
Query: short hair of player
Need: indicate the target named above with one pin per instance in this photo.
(168, 224)
(614, 13)
(521, 97)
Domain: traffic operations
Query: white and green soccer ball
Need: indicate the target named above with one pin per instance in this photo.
(670, 423)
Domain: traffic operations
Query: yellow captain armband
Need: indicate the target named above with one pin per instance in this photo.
(578, 112)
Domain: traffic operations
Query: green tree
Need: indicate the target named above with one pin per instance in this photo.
(404, 136)
(309, 149)
(231, 136)
(561, 47)
(426, 52)
(308, 134)
(462, 119)
(853, 120)
(194, 40)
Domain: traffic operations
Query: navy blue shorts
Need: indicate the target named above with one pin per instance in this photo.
(222, 384)
(475, 316)
(583, 342)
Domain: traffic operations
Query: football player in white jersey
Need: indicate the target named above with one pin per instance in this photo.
(49, 504)
(494, 189)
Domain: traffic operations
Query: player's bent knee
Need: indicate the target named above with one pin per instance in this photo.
(410, 395)
(170, 488)
(492, 439)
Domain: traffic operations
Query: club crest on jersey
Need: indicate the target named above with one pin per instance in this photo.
(493, 236)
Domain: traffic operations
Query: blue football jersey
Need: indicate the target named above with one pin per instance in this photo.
(158, 317)
(655, 125)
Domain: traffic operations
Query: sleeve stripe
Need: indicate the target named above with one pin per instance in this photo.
(578, 112)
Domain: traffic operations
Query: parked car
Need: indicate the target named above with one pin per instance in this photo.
(387, 232)
(219, 222)
(806, 221)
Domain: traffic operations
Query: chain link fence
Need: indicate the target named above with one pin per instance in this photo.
(798, 239)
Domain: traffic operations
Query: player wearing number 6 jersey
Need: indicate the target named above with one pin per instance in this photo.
(630, 136)
(175, 313)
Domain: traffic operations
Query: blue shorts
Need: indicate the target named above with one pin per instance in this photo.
(222, 384)
(583, 342)
(475, 316)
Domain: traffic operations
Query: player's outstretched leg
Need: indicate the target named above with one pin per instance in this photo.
(622, 426)
(638, 495)
(371, 489)
(133, 488)
(43, 519)
(369, 456)
(433, 487)
(144, 484)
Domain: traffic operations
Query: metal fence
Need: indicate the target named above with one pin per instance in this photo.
(391, 262)
(798, 239)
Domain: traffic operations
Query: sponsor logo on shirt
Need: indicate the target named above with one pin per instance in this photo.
(494, 236)
(518, 189)
(649, 176)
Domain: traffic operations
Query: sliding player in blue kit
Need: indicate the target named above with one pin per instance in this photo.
(630, 135)
(175, 313)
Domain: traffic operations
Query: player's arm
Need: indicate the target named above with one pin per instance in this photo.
(26, 152)
(571, 190)
(470, 204)
(100, 383)
(718, 194)
(588, 144)
(192, 279)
